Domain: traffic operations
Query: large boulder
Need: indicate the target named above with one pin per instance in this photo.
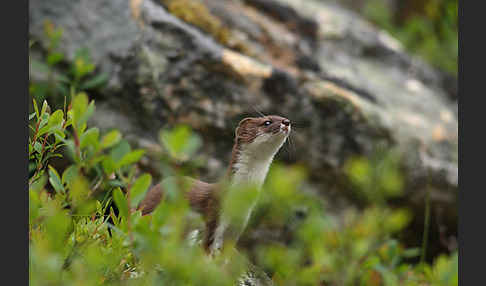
(346, 85)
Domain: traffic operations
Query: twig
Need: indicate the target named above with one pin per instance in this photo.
(39, 167)
(95, 187)
(35, 133)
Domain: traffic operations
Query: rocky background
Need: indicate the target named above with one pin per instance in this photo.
(346, 85)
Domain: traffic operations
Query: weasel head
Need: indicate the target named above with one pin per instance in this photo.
(262, 136)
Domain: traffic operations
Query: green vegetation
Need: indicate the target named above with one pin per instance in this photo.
(56, 86)
(83, 229)
(76, 236)
(431, 34)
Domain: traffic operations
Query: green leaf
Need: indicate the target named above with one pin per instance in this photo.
(56, 118)
(54, 57)
(79, 106)
(54, 122)
(359, 171)
(32, 115)
(96, 81)
(121, 202)
(82, 128)
(108, 165)
(36, 109)
(116, 183)
(38, 147)
(113, 217)
(71, 149)
(69, 120)
(180, 142)
(51, 155)
(160, 215)
(131, 158)
(57, 228)
(119, 150)
(59, 134)
(82, 64)
(87, 114)
(86, 208)
(45, 108)
(69, 174)
(38, 184)
(237, 201)
(55, 180)
(99, 207)
(107, 204)
(139, 189)
(43, 130)
(44, 119)
(34, 204)
(110, 139)
(89, 138)
(97, 159)
(79, 190)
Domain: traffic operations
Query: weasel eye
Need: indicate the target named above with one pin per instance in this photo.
(268, 122)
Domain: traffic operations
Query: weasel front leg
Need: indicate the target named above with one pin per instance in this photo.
(218, 238)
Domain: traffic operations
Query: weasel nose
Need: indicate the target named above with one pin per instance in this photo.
(286, 122)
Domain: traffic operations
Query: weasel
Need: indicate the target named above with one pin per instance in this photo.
(257, 140)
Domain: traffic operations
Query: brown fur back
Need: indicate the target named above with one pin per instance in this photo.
(203, 198)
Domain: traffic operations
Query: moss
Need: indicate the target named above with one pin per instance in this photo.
(195, 13)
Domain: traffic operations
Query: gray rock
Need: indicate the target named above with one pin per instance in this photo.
(346, 85)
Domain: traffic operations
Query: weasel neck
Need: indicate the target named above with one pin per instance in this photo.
(249, 168)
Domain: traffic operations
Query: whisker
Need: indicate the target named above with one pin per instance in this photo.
(259, 133)
(296, 129)
(292, 145)
(287, 149)
(299, 125)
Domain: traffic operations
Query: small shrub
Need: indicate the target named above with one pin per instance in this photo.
(432, 35)
(83, 229)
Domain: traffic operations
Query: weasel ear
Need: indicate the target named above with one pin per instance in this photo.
(242, 121)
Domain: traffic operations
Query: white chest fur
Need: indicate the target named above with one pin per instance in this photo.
(254, 159)
(250, 168)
